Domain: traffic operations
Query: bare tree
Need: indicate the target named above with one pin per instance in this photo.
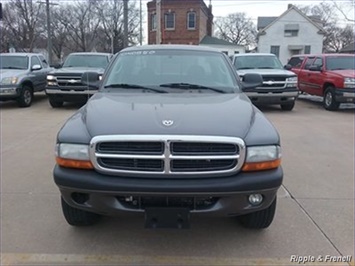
(346, 5)
(21, 19)
(81, 23)
(110, 14)
(335, 37)
(60, 31)
(236, 28)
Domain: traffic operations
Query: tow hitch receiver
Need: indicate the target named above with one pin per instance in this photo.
(167, 218)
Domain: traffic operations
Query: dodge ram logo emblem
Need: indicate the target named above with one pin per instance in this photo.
(167, 123)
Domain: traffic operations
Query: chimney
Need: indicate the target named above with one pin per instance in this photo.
(289, 6)
(209, 20)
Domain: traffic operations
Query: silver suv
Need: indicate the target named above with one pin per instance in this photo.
(21, 75)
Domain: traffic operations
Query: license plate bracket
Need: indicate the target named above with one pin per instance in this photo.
(178, 218)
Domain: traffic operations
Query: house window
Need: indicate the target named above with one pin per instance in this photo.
(307, 49)
(275, 50)
(154, 21)
(170, 21)
(291, 33)
(291, 30)
(191, 20)
(236, 52)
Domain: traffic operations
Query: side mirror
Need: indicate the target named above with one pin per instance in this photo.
(36, 67)
(91, 79)
(315, 68)
(251, 81)
(288, 67)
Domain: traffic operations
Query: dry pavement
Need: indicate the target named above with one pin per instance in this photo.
(315, 213)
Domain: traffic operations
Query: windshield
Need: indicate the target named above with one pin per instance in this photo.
(257, 62)
(97, 61)
(159, 68)
(340, 62)
(13, 62)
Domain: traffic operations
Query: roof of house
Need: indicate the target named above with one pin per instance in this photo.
(264, 21)
(310, 19)
(213, 40)
(349, 48)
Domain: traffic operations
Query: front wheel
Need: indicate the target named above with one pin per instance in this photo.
(329, 101)
(78, 217)
(288, 106)
(55, 103)
(260, 219)
(26, 97)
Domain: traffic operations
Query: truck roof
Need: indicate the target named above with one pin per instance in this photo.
(20, 54)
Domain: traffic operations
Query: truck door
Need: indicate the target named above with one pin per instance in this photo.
(316, 77)
(303, 76)
(38, 75)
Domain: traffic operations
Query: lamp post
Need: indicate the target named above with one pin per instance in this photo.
(49, 31)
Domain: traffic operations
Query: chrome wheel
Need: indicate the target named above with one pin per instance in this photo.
(328, 99)
(27, 96)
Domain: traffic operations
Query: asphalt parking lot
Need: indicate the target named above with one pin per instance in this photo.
(314, 217)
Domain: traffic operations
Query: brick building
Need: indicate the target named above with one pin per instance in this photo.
(182, 21)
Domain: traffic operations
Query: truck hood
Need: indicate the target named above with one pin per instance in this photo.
(266, 72)
(348, 73)
(5, 73)
(77, 70)
(192, 114)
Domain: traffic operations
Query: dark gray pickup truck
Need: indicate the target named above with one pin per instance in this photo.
(21, 75)
(64, 83)
(169, 134)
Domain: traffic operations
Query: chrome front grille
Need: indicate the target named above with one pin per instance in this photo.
(274, 82)
(69, 80)
(163, 155)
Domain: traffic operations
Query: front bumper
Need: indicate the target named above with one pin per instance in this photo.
(344, 95)
(272, 96)
(70, 93)
(9, 92)
(112, 195)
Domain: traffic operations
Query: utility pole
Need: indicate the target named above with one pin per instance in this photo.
(49, 33)
(140, 23)
(125, 22)
(158, 16)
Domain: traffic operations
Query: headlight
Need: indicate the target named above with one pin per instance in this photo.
(73, 156)
(292, 79)
(262, 158)
(9, 81)
(51, 77)
(349, 82)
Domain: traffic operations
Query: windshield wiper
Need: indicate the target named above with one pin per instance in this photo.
(132, 86)
(190, 86)
(266, 68)
(240, 68)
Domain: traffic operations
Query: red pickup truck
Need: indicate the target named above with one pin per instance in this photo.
(331, 76)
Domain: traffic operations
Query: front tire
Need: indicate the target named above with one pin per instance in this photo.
(260, 219)
(26, 96)
(329, 101)
(288, 106)
(78, 217)
(55, 103)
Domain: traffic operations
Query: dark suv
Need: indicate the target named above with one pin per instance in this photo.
(169, 134)
(64, 84)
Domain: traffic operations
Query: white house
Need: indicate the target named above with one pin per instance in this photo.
(291, 33)
(221, 45)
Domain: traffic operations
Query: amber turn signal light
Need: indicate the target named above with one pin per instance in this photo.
(68, 163)
(259, 166)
